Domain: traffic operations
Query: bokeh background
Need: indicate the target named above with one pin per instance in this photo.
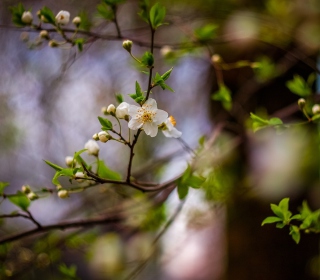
(50, 99)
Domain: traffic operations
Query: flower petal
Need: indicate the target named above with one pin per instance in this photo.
(151, 104)
(175, 133)
(134, 124)
(133, 111)
(150, 129)
(160, 117)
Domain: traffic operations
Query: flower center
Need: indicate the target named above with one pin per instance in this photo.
(146, 116)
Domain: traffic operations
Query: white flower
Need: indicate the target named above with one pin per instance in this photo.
(63, 17)
(69, 161)
(92, 148)
(122, 110)
(27, 17)
(147, 117)
(168, 128)
(104, 136)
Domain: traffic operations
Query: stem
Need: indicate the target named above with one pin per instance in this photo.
(33, 219)
(114, 8)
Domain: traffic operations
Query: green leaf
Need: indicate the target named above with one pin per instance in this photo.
(107, 173)
(167, 74)
(154, 218)
(105, 123)
(299, 86)
(113, 2)
(138, 90)
(206, 33)
(295, 233)
(157, 15)
(119, 98)
(144, 8)
(85, 23)
(266, 69)
(259, 123)
(275, 121)
(79, 43)
(20, 200)
(17, 12)
(183, 190)
(224, 96)
(195, 181)
(78, 158)
(48, 15)
(69, 272)
(3, 185)
(277, 210)
(270, 220)
(68, 172)
(284, 204)
(54, 166)
(147, 59)
(105, 11)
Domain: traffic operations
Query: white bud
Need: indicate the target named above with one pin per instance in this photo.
(127, 45)
(316, 109)
(27, 17)
(216, 58)
(63, 17)
(166, 51)
(111, 109)
(69, 161)
(79, 175)
(122, 110)
(53, 44)
(76, 21)
(104, 136)
(95, 137)
(44, 34)
(32, 196)
(63, 194)
(92, 148)
(25, 189)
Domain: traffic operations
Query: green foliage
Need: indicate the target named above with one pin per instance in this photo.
(138, 96)
(154, 218)
(157, 15)
(48, 15)
(20, 200)
(206, 33)
(265, 69)
(54, 166)
(144, 8)
(105, 11)
(17, 12)
(85, 23)
(159, 80)
(79, 43)
(113, 2)
(224, 96)
(147, 59)
(105, 124)
(259, 123)
(119, 98)
(301, 87)
(68, 272)
(188, 179)
(107, 173)
(68, 172)
(3, 185)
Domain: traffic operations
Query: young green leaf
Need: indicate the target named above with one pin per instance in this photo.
(147, 59)
(69, 272)
(17, 12)
(299, 86)
(105, 123)
(270, 220)
(79, 43)
(119, 98)
(48, 15)
(224, 96)
(20, 200)
(157, 15)
(105, 11)
(183, 190)
(106, 173)
(138, 90)
(167, 74)
(3, 185)
(206, 33)
(295, 233)
(85, 23)
(144, 8)
(54, 166)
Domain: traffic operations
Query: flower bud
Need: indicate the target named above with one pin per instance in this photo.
(79, 175)
(25, 189)
(111, 109)
(53, 44)
(104, 110)
(63, 17)
(27, 17)
(69, 161)
(92, 148)
(166, 51)
(76, 21)
(122, 110)
(104, 136)
(44, 34)
(43, 19)
(216, 58)
(63, 194)
(95, 136)
(32, 196)
(127, 45)
(301, 103)
(316, 109)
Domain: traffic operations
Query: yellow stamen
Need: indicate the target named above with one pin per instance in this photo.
(172, 120)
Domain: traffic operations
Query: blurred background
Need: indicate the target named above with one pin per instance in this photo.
(49, 102)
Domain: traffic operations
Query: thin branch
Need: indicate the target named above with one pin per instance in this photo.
(33, 219)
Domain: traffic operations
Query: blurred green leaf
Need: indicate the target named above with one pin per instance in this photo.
(17, 12)
(299, 86)
(79, 43)
(295, 233)
(270, 220)
(147, 59)
(157, 15)
(259, 123)
(265, 69)
(206, 33)
(119, 98)
(224, 96)
(20, 200)
(105, 11)
(85, 23)
(69, 272)
(106, 173)
(3, 185)
(154, 218)
(48, 15)
(144, 8)
(68, 172)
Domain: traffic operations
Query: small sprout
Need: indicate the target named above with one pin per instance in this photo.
(76, 21)
(53, 44)
(63, 17)
(25, 189)
(104, 136)
(216, 58)
(24, 37)
(301, 103)
(32, 196)
(44, 34)
(122, 110)
(95, 137)
(166, 51)
(92, 148)
(69, 161)
(111, 109)
(127, 45)
(316, 109)
(27, 17)
(63, 194)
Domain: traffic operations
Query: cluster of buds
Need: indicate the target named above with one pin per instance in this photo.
(30, 194)
(110, 110)
(102, 136)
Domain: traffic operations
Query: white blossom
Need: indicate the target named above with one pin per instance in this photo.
(92, 148)
(63, 17)
(122, 110)
(168, 128)
(69, 160)
(104, 136)
(147, 117)
(27, 17)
